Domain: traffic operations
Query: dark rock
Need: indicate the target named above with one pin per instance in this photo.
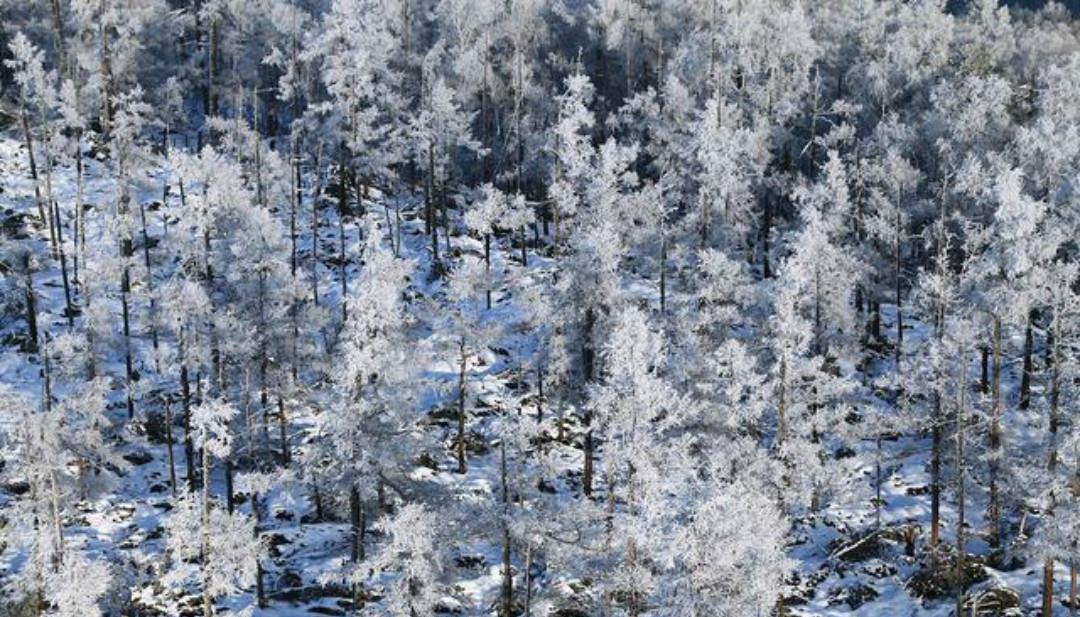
(311, 592)
(469, 561)
(879, 570)
(17, 487)
(935, 582)
(428, 461)
(274, 542)
(138, 457)
(289, 579)
(843, 452)
(853, 597)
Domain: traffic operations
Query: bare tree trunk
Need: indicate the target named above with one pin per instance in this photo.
(960, 496)
(169, 439)
(1025, 379)
(80, 217)
(38, 199)
(487, 268)
(31, 304)
(343, 206)
(356, 523)
(208, 600)
(283, 423)
(461, 407)
(588, 361)
(260, 593)
(106, 73)
(528, 580)
(781, 407)
(1074, 600)
(58, 37)
(663, 273)
(316, 196)
(185, 397)
(230, 498)
(149, 280)
(899, 282)
(1048, 589)
(935, 475)
(69, 308)
(125, 289)
(507, 572)
(211, 60)
(994, 507)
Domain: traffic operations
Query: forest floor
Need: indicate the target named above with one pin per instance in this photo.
(836, 574)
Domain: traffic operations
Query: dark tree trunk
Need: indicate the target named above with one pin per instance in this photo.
(487, 267)
(343, 207)
(283, 422)
(149, 278)
(260, 593)
(33, 170)
(230, 499)
(935, 476)
(31, 305)
(994, 507)
(170, 441)
(461, 408)
(125, 289)
(588, 362)
(69, 308)
(1025, 379)
(189, 446)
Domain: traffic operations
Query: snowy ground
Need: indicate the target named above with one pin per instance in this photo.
(126, 524)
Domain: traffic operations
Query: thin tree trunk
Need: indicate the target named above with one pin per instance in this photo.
(663, 273)
(230, 498)
(208, 600)
(960, 496)
(31, 305)
(588, 360)
(1048, 589)
(315, 231)
(33, 170)
(149, 280)
(80, 217)
(524, 246)
(1074, 597)
(935, 474)
(283, 423)
(994, 507)
(356, 524)
(461, 407)
(507, 572)
(343, 205)
(260, 593)
(185, 397)
(528, 580)
(169, 438)
(125, 289)
(487, 268)
(106, 74)
(1025, 379)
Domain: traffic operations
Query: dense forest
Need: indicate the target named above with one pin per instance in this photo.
(553, 308)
